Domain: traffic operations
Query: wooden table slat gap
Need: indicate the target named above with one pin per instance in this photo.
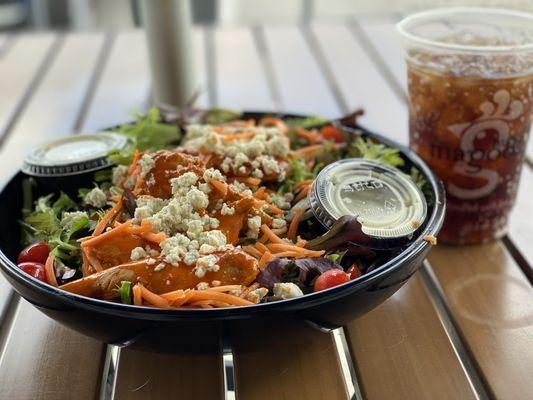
(32, 87)
(519, 258)
(361, 82)
(210, 65)
(492, 303)
(6, 320)
(350, 373)
(7, 44)
(50, 108)
(320, 58)
(258, 35)
(108, 378)
(457, 340)
(520, 234)
(103, 58)
(361, 36)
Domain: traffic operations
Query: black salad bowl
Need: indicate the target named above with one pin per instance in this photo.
(201, 330)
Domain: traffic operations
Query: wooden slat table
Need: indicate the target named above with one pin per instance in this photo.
(461, 328)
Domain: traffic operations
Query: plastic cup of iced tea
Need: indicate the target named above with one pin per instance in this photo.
(470, 83)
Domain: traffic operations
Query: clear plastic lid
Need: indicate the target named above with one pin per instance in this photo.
(387, 202)
(73, 155)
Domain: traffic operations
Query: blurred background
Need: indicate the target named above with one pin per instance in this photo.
(120, 14)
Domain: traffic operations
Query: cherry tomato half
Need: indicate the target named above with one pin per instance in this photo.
(354, 271)
(34, 269)
(331, 278)
(331, 133)
(37, 252)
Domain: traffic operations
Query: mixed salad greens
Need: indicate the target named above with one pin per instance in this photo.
(204, 208)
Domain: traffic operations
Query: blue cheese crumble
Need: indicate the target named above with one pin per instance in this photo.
(96, 198)
(287, 290)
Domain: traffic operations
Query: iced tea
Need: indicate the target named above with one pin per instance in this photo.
(470, 116)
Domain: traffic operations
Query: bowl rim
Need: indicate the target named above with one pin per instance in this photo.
(417, 247)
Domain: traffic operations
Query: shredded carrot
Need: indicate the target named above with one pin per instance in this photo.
(138, 183)
(212, 295)
(301, 242)
(292, 254)
(136, 158)
(93, 261)
(263, 239)
(178, 297)
(261, 247)
(252, 251)
(202, 304)
(100, 227)
(260, 193)
(270, 207)
(155, 237)
(137, 295)
(153, 298)
(278, 123)
(307, 151)
(206, 157)
(174, 295)
(266, 257)
(311, 136)
(238, 136)
(210, 304)
(50, 270)
(302, 193)
(244, 204)
(226, 288)
(249, 180)
(134, 230)
(276, 248)
(280, 231)
(221, 187)
(303, 183)
(293, 227)
(185, 299)
(85, 265)
(245, 292)
(271, 235)
(106, 235)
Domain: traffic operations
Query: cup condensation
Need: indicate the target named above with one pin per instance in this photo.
(470, 83)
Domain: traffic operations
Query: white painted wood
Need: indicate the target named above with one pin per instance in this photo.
(40, 358)
(383, 36)
(44, 360)
(240, 79)
(198, 38)
(17, 69)
(520, 224)
(124, 85)
(360, 82)
(52, 111)
(300, 80)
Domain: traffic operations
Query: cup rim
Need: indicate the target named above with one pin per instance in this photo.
(402, 26)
